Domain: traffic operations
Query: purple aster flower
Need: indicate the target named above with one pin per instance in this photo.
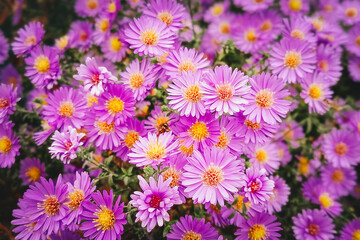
(184, 60)
(354, 68)
(354, 122)
(210, 45)
(253, 6)
(283, 152)
(291, 59)
(65, 107)
(186, 95)
(114, 47)
(291, 132)
(4, 51)
(31, 169)
(313, 225)
(341, 180)
(218, 216)
(351, 230)
(224, 27)
(66, 144)
(259, 226)
(65, 235)
(102, 28)
(297, 28)
(17, 7)
(191, 228)
(270, 23)
(94, 76)
(29, 37)
(213, 176)
(70, 173)
(153, 150)
(140, 77)
(294, 7)
(160, 122)
(327, 200)
(64, 42)
(307, 167)
(8, 100)
(266, 99)
(167, 11)
(9, 145)
(198, 133)
(103, 218)
(353, 44)
(135, 3)
(264, 156)
(153, 203)
(281, 195)
(88, 8)
(223, 90)
(349, 12)
(9, 75)
(149, 36)
(43, 67)
(258, 188)
(311, 188)
(332, 34)
(328, 63)
(341, 148)
(111, 7)
(82, 34)
(45, 204)
(216, 11)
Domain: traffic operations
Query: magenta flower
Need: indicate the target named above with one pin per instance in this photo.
(294, 7)
(291, 132)
(104, 220)
(8, 100)
(328, 63)
(160, 122)
(4, 51)
(264, 156)
(154, 202)
(327, 200)
(283, 152)
(82, 34)
(281, 195)
(88, 8)
(253, 6)
(354, 68)
(114, 47)
(28, 38)
(271, 24)
(228, 138)
(9, 145)
(31, 169)
(349, 12)
(102, 28)
(351, 230)
(216, 11)
(298, 28)
(224, 27)
(9, 75)
(258, 188)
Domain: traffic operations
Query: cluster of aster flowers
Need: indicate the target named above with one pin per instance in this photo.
(202, 112)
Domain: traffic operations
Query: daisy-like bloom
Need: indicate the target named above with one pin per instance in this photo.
(102, 28)
(184, 60)
(134, 130)
(354, 68)
(111, 7)
(291, 59)
(294, 7)
(253, 5)
(281, 195)
(264, 156)
(104, 219)
(135, 3)
(31, 169)
(328, 63)
(210, 45)
(311, 188)
(114, 47)
(153, 150)
(4, 51)
(351, 230)
(81, 32)
(45, 204)
(298, 28)
(258, 188)
(43, 67)
(28, 38)
(8, 100)
(149, 36)
(270, 23)
(160, 122)
(64, 42)
(332, 34)
(66, 144)
(88, 8)
(283, 152)
(9, 145)
(186, 95)
(198, 133)
(223, 90)
(349, 12)
(216, 10)
(306, 166)
(313, 225)
(316, 93)
(340, 180)
(65, 107)
(327, 200)
(290, 132)
(224, 27)
(228, 138)
(219, 216)
(167, 11)
(9, 75)
(353, 44)
(191, 228)
(341, 148)
(17, 8)
(142, 108)
(260, 226)
(354, 122)
(154, 202)
(140, 77)
(94, 76)
(213, 176)
(266, 99)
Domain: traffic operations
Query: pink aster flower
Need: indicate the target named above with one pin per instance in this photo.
(223, 90)
(149, 36)
(104, 219)
(210, 45)
(264, 156)
(327, 200)
(213, 176)
(31, 169)
(294, 7)
(281, 195)
(160, 122)
(216, 11)
(349, 12)
(253, 6)
(89, 8)
(297, 28)
(283, 152)
(266, 99)
(8, 101)
(354, 68)
(291, 132)
(292, 59)
(351, 230)
(224, 27)
(82, 34)
(29, 37)
(153, 150)
(102, 28)
(9, 75)
(94, 76)
(270, 23)
(4, 51)
(9, 145)
(140, 77)
(154, 202)
(228, 138)
(353, 44)
(218, 215)
(328, 63)
(114, 47)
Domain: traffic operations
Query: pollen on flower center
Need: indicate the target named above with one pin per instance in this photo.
(104, 25)
(92, 4)
(62, 42)
(337, 176)
(341, 149)
(190, 235)
(31, 40)
(165, 17)
(75, 199)
(266, 26)
(51, 205)
(295, 5)
(193, 94)
(199, 131)
(155, 152)
(313, 229)
(356, 235)
(186, 66)
(224, 92)
(131, 138)
(105, 128)
(254, 186)
(115, 105)
(33, 173)
(105, 219)
(257, 232)
(212, 176)
(4, 103)
(91, 99)
(323, 65)
(325, 200)
(115, 44)
(187, 151)
(155, 201)
(174, 174)
(303, 165)
(292, 59)
(258, 1)
(315, 91)
(83, 36)
(252, 125)
(224, 28)
(261, 155)
(351, 12)
(136, 80)
(42, 64)
(357, 41)
(66, 109)
(264, 98)
(297, 34)
(223, 141)
(149, 38)
(251, 36)
(217, 10)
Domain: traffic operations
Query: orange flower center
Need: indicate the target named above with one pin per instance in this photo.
(224, 92)
(212, 176)
(224, 28)
(4, 103)
(105, 219)
(252, 125)
(174, 174)
(193, 94)
(136, 80)
(186, 66)
(51, 205)
(92, 4)
(337, 176)
(341, 149)
(66, 109)
(165, 17)
(131, 138)
(251, 36)
(292, 59)
(223, 141)
(313, 229)
(297, 34)
(31, 40)
(150, 37)
(199, 131)
(323, 65)
(33, 173)
(351, 12)
(266, 26)
(264, 99)
(104, 127)
(75, 199)
(190, 235)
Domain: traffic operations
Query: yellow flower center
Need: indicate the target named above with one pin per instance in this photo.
(186, 66)
(190, 235)
(341, 149)
(155, 152)
(257, 232)
(105, 219)
(31, 40)
(112, 7)
(104, 25)
(297, 34)
(115, 105)
(325, 200)
(323, 65)
(192, 94)
(66, 109)
(104, 127)
(91, 99)
(239, 203)
(252, 125)
(217, 9)
(149, 38)
(115, 44)
(75, 199)
(261, 155)
(131, 138)
(224, 92)
(42, 64)
(318, 24)
(62, 42)
(356, 235)
(224, 28)
(199, 131)
(212, 176)
(337, 176)
(223, 141)
(289, 134)
(303, 165)
(4, 103)
(92, 4)
(264, 99)
(266, 26)
(292, 59)
(351, 12)
(174, 174)
(33, 173)
(357, 41)
(165, 17)
(187, 151)
(315, 91)
(136, 80)
(295, 5)
(51, 205)
(251, 36)
(313, 229)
